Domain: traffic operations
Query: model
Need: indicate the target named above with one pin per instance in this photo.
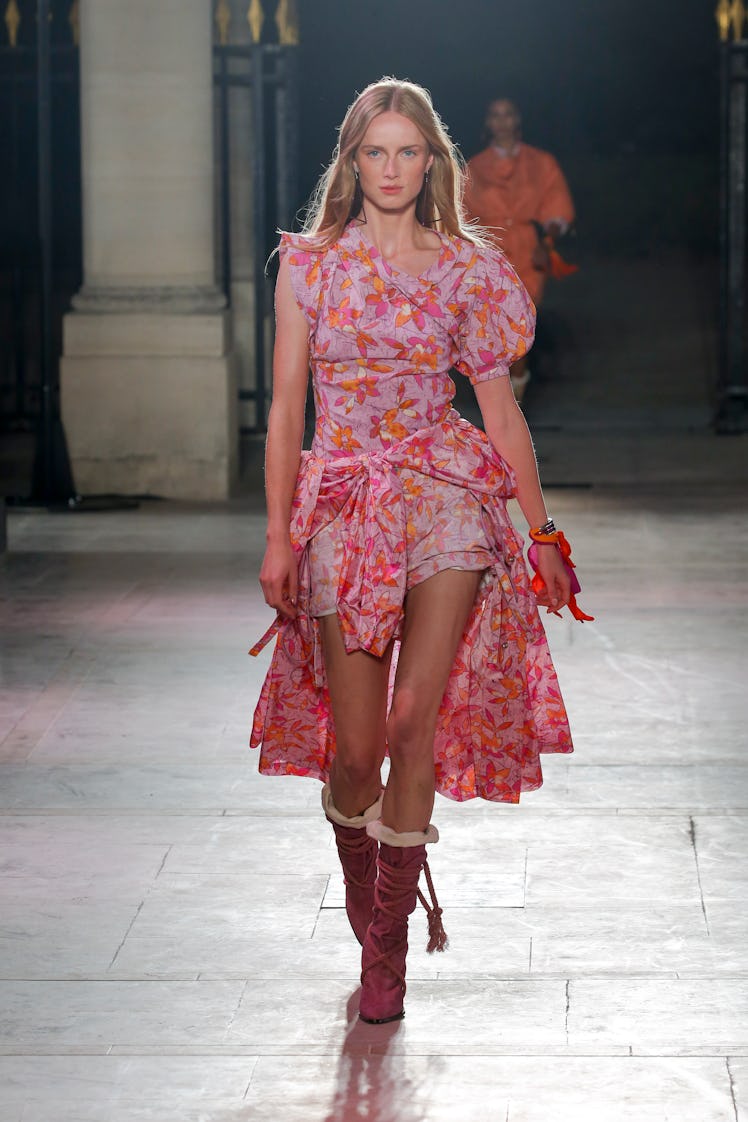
(519, 195)
(407, 624)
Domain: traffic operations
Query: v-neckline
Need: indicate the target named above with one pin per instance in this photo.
(375, 256)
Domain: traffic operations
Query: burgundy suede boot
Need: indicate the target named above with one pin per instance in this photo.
(401, 858)
(358, 856)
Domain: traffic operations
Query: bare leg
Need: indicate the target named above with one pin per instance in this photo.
(358, 693)
(436, 613)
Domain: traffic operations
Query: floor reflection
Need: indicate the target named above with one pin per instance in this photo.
(373, 1082)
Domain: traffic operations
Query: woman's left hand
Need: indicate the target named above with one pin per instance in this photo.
(556, 577)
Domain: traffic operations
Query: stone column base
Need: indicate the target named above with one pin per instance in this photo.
(149, 404)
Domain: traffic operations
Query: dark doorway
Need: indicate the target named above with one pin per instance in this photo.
(25, 391)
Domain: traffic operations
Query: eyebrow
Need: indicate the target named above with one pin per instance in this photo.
(371, 144)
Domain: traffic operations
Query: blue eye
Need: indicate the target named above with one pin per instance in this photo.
(373, 152)
(409, 152)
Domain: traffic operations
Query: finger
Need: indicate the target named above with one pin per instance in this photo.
(556, 594)
(288, 601)
(559, 589)
(273, 592)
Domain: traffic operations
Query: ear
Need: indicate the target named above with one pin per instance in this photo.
(430, 162)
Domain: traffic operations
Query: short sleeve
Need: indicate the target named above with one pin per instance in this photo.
(306, 274)
(498, 325)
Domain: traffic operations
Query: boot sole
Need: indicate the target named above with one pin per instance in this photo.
(382, 1020)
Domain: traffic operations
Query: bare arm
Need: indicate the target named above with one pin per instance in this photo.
(278, 575)
(507, 430)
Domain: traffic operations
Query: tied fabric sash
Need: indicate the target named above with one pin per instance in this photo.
(365, 491)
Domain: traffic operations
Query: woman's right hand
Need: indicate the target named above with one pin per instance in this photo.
(279, 578)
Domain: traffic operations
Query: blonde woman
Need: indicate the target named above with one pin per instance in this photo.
(392, 532)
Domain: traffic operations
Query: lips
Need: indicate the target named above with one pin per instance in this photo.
(390, 190)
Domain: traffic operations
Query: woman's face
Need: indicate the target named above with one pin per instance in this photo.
(503, 121)
(392, 160)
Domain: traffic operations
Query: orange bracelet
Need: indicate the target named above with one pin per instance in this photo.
(545, 538)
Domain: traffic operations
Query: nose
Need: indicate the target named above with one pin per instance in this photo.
(390, 170)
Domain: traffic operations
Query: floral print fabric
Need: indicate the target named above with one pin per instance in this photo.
(444, 530)
(382, 343)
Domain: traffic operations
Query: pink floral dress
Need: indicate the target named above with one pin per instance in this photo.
(397, 486)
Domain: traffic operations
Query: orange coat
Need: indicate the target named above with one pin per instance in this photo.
(507, 193)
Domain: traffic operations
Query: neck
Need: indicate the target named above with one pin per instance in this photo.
(392, 231)
(510, 144)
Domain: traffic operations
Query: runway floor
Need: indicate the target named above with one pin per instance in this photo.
(172, 939)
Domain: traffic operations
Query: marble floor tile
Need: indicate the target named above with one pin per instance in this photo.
(56, 1087)
(386, 1087)
(651, 741)
(727, 917)
(442, 1017)
(722, 848)
(465, 827)
(73, 857)
(667, 1015)
(633, 874)
(191, 924)
(617, 938)
(483, 942)
(738, 1070)
(391, 1088)
(114, 786)
(269, 844)
(55, 1017)
(60, 938)
(710, 787)
(493, 887)
(330, 952)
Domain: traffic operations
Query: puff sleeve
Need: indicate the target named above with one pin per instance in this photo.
(498, 323)
(305, 271)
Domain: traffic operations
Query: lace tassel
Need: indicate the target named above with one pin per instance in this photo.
(438, 940)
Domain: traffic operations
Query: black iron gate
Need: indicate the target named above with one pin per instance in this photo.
(40, 237)
(732, 406)
(263, 76)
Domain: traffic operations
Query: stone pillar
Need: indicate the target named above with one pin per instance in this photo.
(148, 380)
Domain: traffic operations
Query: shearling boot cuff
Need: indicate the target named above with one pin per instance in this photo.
(377, 829)
(359, 820)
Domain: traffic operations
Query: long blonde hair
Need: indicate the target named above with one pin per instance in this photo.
(338, 198)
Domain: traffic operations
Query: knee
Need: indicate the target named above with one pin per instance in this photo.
(410, 731)
(357, 764)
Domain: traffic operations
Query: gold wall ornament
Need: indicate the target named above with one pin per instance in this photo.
(737, 16)
(287, 20)
(223, 21)
(731, 14)
(12, 22)
(74, 21)
(255, 19)
(722, 16)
